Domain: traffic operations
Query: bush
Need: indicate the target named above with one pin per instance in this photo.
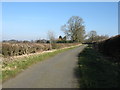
(11, 49)
(110, 47)
(15, 49)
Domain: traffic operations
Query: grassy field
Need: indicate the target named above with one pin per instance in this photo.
(13, 68)
(95, 71)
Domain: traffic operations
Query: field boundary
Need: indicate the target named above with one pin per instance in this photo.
(32, 54)
(13, 68)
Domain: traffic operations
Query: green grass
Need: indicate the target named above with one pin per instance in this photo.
(95, 71)
(24, 63)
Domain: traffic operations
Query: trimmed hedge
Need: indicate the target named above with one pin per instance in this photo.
(16, 49)
(110, 47)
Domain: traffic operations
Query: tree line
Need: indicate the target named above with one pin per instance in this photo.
(74, 31)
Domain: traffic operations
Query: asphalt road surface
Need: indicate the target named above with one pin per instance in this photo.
(55, 72)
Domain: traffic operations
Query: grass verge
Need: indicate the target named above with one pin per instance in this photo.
(13, 68)
(95, 71)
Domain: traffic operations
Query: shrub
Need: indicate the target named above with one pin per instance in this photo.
(110, 47)
(15, 49)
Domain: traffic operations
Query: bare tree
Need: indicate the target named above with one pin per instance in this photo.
(101, 37)
(92, 34)
(51, 37)
(93, 37)
(74, 29)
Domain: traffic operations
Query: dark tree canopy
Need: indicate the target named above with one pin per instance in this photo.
(60, 38)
